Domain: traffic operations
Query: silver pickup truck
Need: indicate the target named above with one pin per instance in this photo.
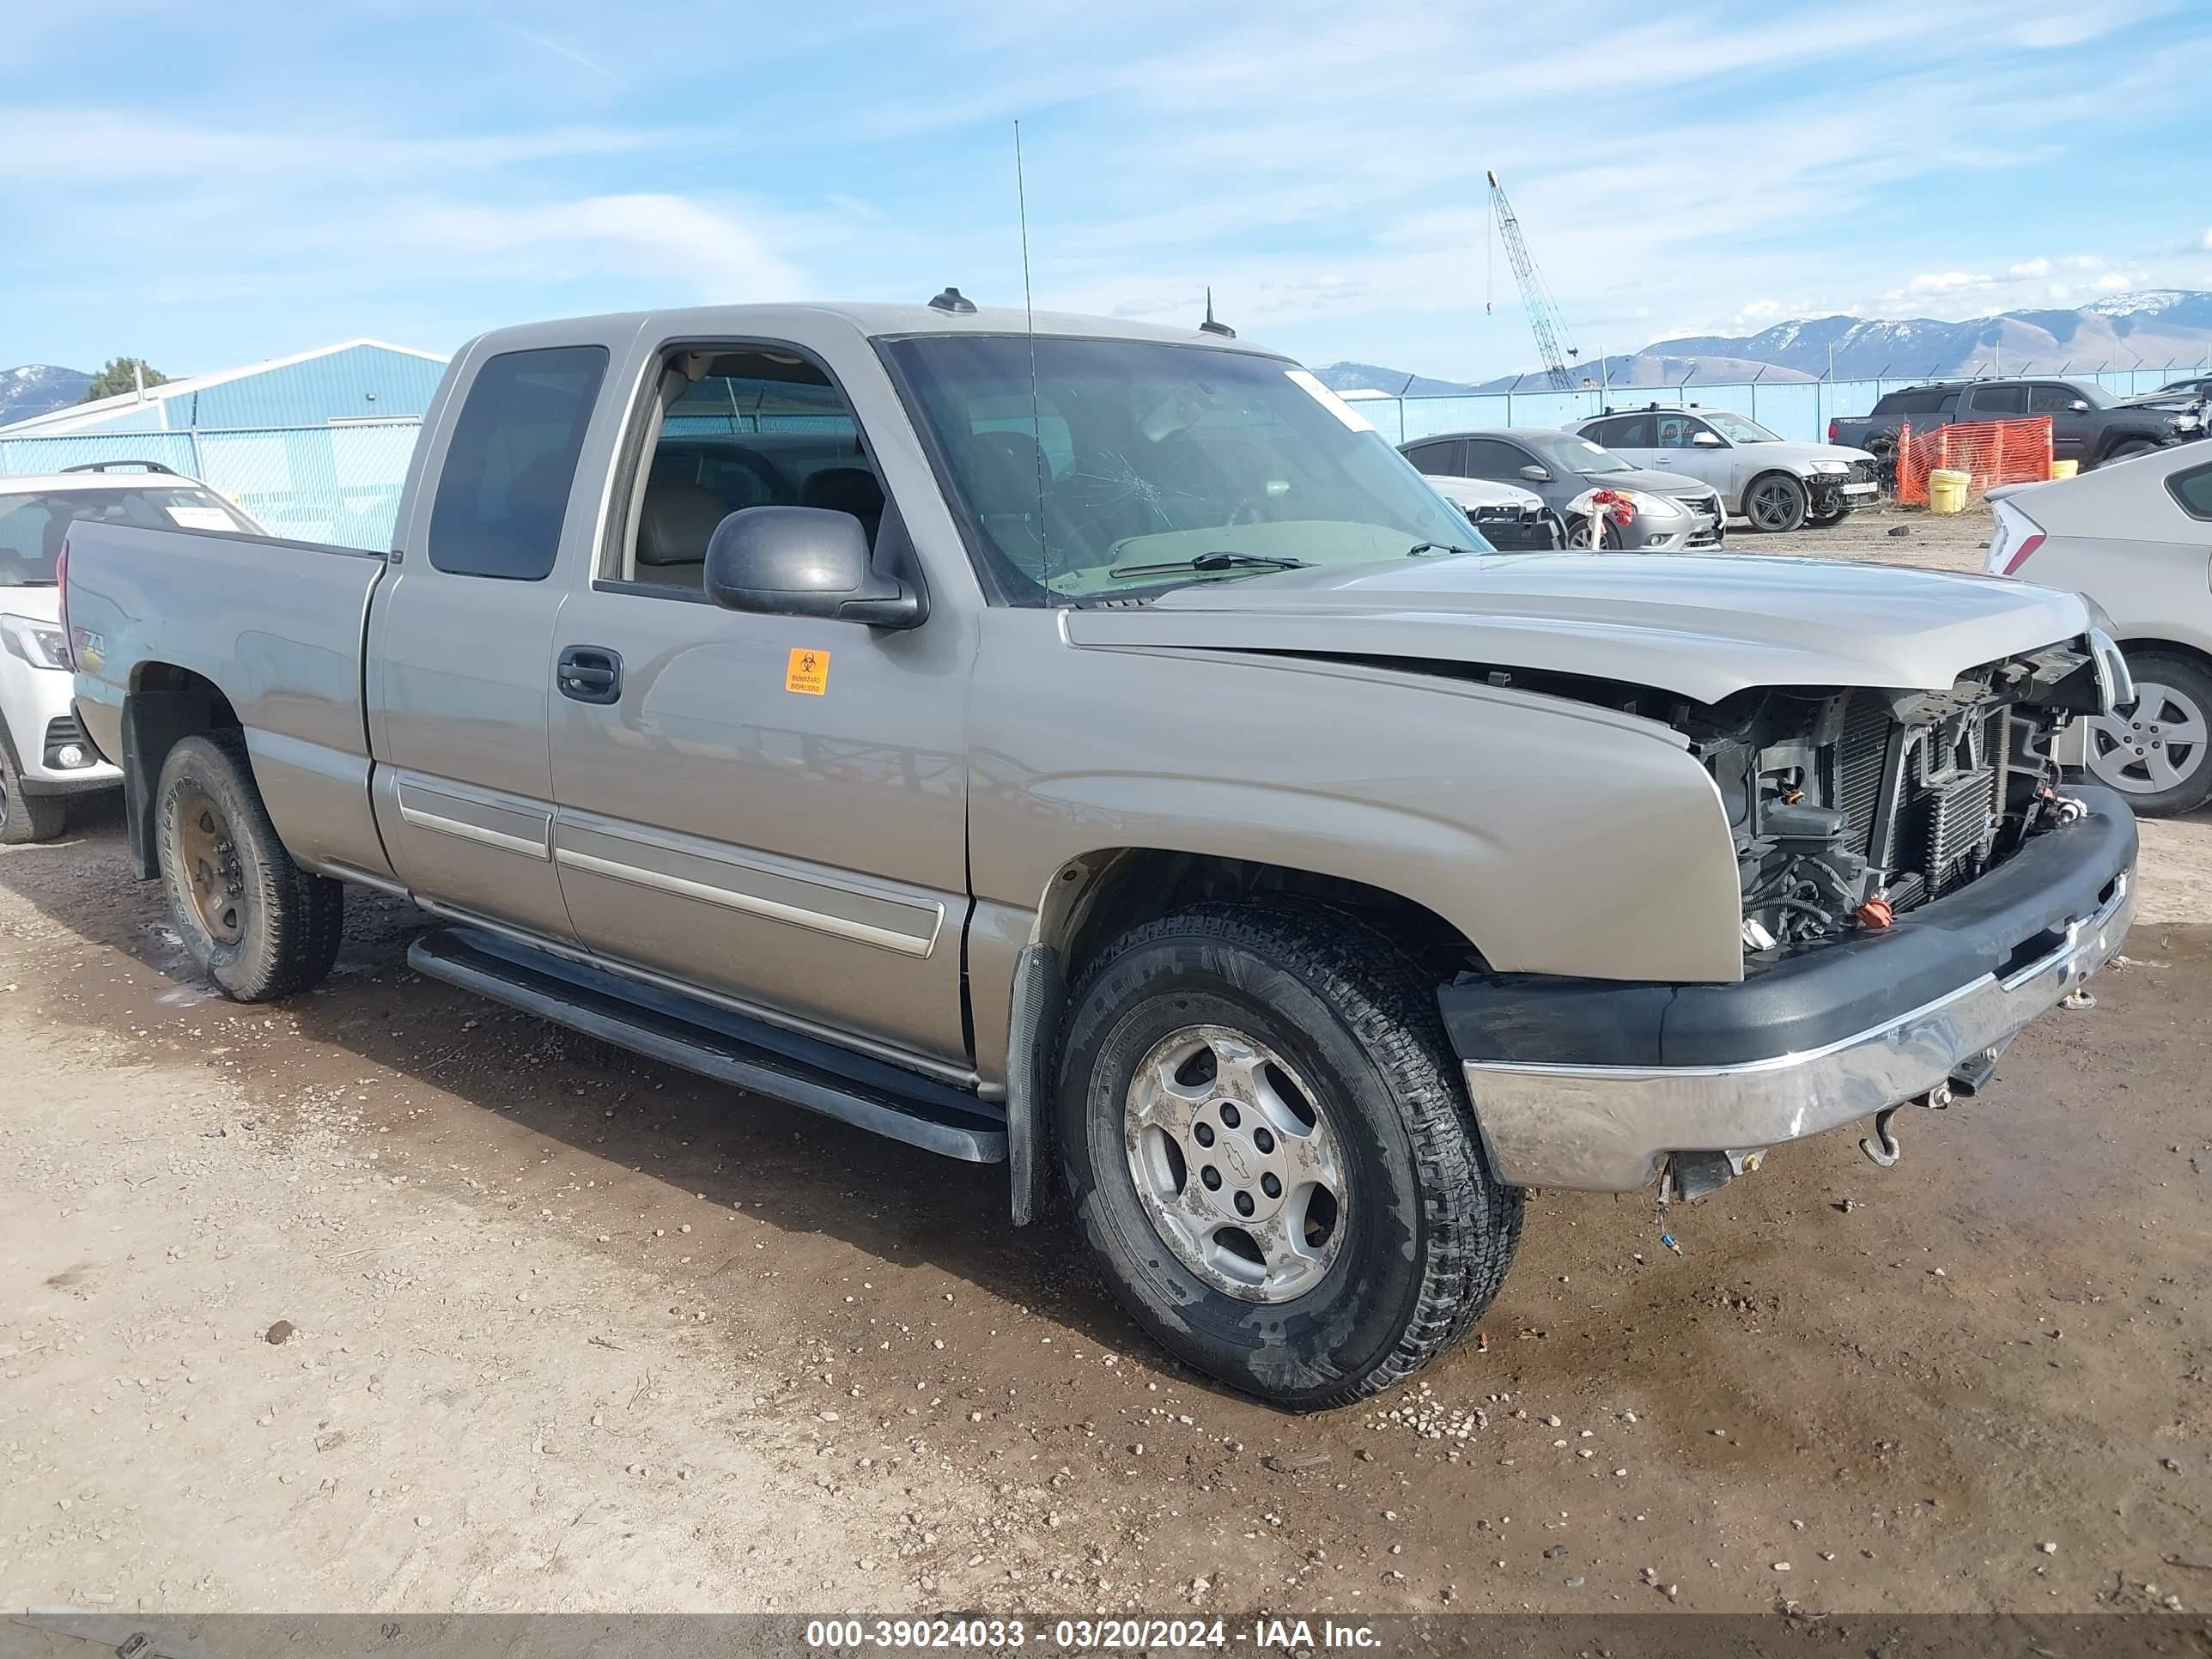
(1094, 748)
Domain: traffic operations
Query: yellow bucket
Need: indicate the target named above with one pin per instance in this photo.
(2064, 469)
(1947, 490)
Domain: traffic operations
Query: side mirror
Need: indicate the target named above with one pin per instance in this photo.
(1535, 474)
(805, 562)
(2079, 406)
(1705, 441)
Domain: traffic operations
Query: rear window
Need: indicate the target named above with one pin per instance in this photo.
(1917, 400)
(33, 525)
(503, 489)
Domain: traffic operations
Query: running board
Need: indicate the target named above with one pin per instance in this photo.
(717, 1043)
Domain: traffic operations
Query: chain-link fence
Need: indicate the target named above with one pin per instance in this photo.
(317, 483)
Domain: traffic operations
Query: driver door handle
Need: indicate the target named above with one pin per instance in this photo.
(589, 673)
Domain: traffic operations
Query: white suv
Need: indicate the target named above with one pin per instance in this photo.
(43, 757)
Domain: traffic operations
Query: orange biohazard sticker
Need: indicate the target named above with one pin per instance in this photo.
(808, 672)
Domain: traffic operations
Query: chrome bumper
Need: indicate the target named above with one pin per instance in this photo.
(1609, 1129)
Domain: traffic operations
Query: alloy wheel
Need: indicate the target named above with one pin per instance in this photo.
(2158, 745)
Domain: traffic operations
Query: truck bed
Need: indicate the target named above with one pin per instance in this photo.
(278, 625)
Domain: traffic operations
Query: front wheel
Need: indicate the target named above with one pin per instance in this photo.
(1265, 1137)
(2159, 754)
(260, 926)
(25, 818)
(1775, 503)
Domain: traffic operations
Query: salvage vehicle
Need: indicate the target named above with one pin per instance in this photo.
(1775, 484)
(1507, 519)
(2137, 540)
(44, 760)
(1647, 511)
(1096, 753)
(2089, 425)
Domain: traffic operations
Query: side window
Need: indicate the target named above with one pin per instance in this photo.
(1438, 461)
(740, 427)
(2193, 490)
(1999, 400)
(1495, 459)
(503, 489)
(2050, 399)
(1630, 432)
(1678, 431)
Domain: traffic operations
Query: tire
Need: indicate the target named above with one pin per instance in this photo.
(1775, 503)
(261, 926)
(2171, 774)
(1333, 1038)
(1834, 515)
(25, 818)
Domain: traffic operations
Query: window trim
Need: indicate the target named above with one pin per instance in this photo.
(451, 434)
(625, 495)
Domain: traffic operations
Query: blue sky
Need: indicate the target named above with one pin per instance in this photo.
(207, 185)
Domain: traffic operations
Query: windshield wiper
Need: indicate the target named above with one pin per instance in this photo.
(1420, 547)
(1212, 562)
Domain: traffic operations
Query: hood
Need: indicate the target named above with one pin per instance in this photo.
(1657, 480)
(1486, 492)
(1788, 453)
(1702, 628)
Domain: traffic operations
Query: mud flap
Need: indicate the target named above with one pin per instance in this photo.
(1040, 996)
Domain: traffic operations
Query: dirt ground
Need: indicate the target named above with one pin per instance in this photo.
(391, 1299)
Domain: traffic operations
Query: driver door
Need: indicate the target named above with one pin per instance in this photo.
(1691, 448)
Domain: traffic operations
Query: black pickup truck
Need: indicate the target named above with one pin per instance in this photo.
(2088, 424)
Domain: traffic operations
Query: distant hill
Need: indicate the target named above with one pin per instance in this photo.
(37, 389)
(2155, 327)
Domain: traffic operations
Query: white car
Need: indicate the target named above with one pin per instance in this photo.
(1768, 480)
(43, 757)
(2134, 535)
(1511, 519)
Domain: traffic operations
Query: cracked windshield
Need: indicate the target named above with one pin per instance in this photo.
(1128, 466)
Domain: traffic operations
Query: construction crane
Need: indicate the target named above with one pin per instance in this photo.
(1536, 299)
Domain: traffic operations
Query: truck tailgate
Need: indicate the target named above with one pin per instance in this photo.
(276, 627)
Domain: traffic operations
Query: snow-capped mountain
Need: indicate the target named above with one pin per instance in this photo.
(2154, 328)
(36, 388)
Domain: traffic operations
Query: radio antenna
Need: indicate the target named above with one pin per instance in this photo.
(1029, 317)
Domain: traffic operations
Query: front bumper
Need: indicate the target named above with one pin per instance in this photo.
(1760, 1062)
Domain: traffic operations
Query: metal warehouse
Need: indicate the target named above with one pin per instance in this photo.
(355, 380)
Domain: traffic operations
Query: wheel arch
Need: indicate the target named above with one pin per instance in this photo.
(166, 703)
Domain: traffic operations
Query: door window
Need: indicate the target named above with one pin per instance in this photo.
(739, 427)
(2000, 399)
(503, 489)
(1678, 431)
(1494, 458)
(2050, 399)
(1438, 461)
(1623, 432)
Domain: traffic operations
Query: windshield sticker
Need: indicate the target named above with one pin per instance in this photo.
(200, 518)
(1328, 400)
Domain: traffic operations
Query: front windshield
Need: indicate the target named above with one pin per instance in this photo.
(1120, 456)
(1735, 429)
(1566, 452)
(2094, 395)
(33, 525)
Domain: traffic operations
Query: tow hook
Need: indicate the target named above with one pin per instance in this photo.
(1880, 1147)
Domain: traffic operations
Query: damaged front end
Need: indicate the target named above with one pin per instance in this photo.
(1851, 808)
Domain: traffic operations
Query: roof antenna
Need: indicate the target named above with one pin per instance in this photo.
(1209, 326)
(1029, 317)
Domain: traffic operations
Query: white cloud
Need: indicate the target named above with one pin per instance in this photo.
(2028, 268)
(1758, 314)
(2082, 262)
(2111, 282)
(2058, 291)
(1946, 282)
(2205, 242)
(703, 251)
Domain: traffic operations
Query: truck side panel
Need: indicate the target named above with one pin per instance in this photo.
(276, 628)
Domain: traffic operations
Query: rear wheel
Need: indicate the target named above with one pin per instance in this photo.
(2159, 754)
(259, 925)
(1774, 502)
(25, 818)
(1265, 1137)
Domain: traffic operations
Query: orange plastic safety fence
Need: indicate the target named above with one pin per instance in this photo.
(1987, 452)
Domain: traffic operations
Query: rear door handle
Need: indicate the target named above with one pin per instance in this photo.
(589, 673)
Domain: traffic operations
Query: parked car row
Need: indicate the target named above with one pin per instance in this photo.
(2089, 426)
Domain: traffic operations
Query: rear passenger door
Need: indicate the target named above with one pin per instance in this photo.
(459, 666)
(769, 809)
(1629, 436)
